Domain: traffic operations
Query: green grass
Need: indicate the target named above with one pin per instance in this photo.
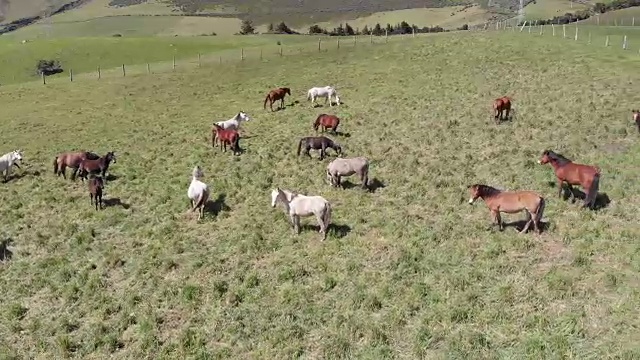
(548, 9)
(622, 17)
(410, 271)
(86, 54)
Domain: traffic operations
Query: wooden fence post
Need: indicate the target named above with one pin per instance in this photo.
(386, 35)
(338, 43)
(124, 73)
(576, 37)
(355, 40)
(598, 20)
(589, 42)
(541, 29)
(44, 80)
(319, 46)
(241, 53)
(553, 29)
(220, 59)
(606, 42)
(71, 75)
(98, 72)
(148, 69)
(633, 21)
(414, 31)
(199, 63)
(261, 54)
(624, 43)
(564, 31)
(529, 28)
(174, 62)
(280, 50)
(371, 37)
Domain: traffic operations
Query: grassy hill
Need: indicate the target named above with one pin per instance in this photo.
(409, 271)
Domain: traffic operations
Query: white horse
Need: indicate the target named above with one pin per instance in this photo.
(296, 205)
(326, 92)
(234, 122)
(8, 160)
(198, 192)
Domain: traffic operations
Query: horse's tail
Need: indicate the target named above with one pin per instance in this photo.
(308, 95)
(55, 165)
(265, 100)
(236, 142)
(365, 175)
(326, 217)
(204, 195)
(593, 189)
(316, 123)
(540, 211)
(300, 146)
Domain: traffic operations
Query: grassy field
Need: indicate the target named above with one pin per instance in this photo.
(547, 9)
(409, 271)
(11, 10)
(86, 54)
(450, 17)
(622, 17)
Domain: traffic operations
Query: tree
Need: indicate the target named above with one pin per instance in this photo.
(365, 30)
(270, 28)
(247, 27)
(282, 28)
(377, 30)
(348, 30)
(315, 29)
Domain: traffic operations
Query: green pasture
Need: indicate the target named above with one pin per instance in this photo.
(547, 9)
(408, 271)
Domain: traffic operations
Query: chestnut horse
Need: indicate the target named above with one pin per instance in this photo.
(275, 95)
(636, 118)
(100, 165)
(327, 122)
(71, 159)
(510, 202)
(571, 173)
(225, 136)
(501, 105)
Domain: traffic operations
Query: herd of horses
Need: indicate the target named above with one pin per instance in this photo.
(86, 164)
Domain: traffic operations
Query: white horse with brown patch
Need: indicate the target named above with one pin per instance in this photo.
(297, 205)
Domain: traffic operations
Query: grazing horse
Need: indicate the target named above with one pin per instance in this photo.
(501, 105)
(347, 167)
(100, 165)
(198, 192)
(318, 142)
(71, 159)
(510, 202)
(327, 122)
(636, 118)
(323, 92)
(96, 185)
(228, 136)
(275, 95)
(9, 160)
(566, 171)
(297, 205)
(234, 122)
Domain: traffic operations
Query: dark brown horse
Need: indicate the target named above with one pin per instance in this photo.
(318, 143)
(71, 159)
(96, 185)
(100, 165)
(568, 172)
(327, 122)
(636, 118)
(510, 202)
(500, 106)
(226, 136)
(275, 95)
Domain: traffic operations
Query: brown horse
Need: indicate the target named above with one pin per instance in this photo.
(71, 159)
(327, 122)
(96, 185)
(275, 95)
(226, 136)
(100, 165)
(501, 105)
(636, 118)
(571, 173)
(510, 202)
(318, 143)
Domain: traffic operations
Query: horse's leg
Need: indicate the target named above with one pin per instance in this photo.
(572, 195)
(528, 224)
(559, 188)
(496, 218)
(322, 151)
(306, 151)
(320, 219)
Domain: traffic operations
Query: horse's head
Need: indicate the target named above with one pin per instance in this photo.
(111, 156)
(636, 115)
(16, 155)
(288, 91)
(242, 116)
(546, 157)
(197, 172)
(275, 193)
(475, 191)
(338, 149)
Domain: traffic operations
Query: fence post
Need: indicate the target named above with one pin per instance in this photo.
(148, 69)
(606, 42)
(260, 54)
(71, 75)
(589, 42)
(553, 29)
(523, 25)
(576, 37)
(564, 31)
(338, 43)
(98, 72)
(280, 50)
(633, 21)
(624, 43)
(174, 62)
(124, 73)
(44, 80)
(199, 63)
(529, 28)
(541, 29)
(319, 46)
(355, 40)
(414, 31)
(371, 37)
(220, 59)
(241, 53)
(386, 35)
(598, 20)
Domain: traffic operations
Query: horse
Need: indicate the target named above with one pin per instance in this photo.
(71, 159)
(501, 105)
(275, 95)
(326, 92)
(9, 160)
(229, 136)
(96, 185)
(347, 167)
(510, 202)
(198, 192)
(234, 122)
(100, 165)
(636, 118)
(566, 171)
(318, 142)
(327, 122)
(297, 205)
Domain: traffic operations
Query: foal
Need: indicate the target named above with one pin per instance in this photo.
(100, 165)
(228, 136)
(636, 118)
(96, 185)
(275, 95)
(510, 202)
(318, 142)
(501, 105)
(571, 173)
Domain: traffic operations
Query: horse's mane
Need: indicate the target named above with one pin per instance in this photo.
(557, 157)
(486, 189)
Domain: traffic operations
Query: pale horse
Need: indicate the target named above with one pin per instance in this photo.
(8, 160)
(346, 167)
(296, 206)
(198, 192)
(326, 92)
(233, 123)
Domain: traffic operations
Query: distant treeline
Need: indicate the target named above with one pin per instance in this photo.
(598, 8)
(378, 30)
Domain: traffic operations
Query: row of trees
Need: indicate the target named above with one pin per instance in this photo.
(598, 8)
(347, 30)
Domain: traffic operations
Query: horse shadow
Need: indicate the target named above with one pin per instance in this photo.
(340, 231)
(5, 253)
(340, 133)
(111, 177)
(17, 175)
(602, 199)
(110, 202)
(519, 225)
(217, 206)
(375, 184)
